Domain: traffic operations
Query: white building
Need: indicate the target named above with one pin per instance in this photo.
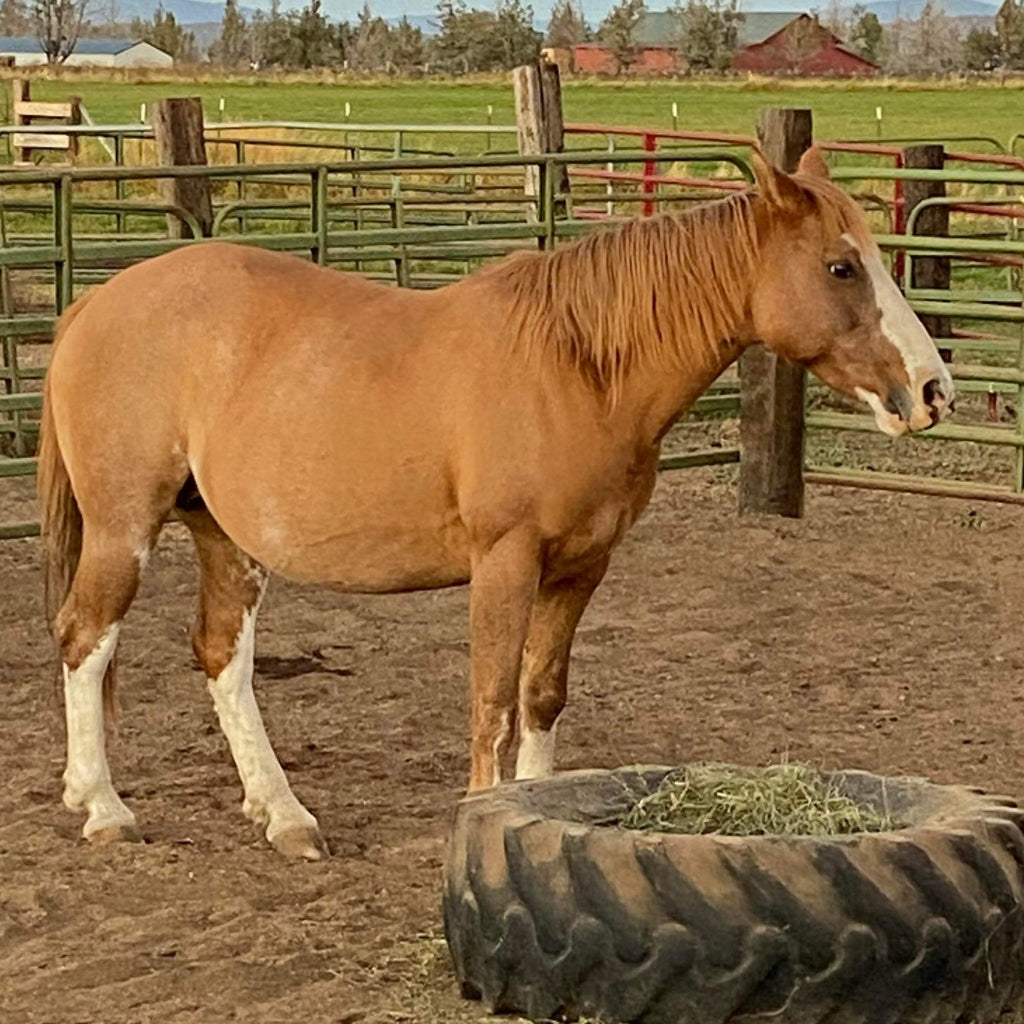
(107, 53)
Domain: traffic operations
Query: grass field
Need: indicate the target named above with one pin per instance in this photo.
(842, 110)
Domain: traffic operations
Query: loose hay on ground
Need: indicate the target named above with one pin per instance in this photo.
(784, 799)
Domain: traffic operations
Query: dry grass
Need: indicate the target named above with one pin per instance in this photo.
(784, 799)
(208, 74)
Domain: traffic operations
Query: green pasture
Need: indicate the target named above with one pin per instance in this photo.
(842, 110)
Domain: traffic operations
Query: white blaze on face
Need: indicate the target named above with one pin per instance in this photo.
(889, 423)
(905, 331)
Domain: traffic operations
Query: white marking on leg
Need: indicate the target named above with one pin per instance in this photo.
(142, 556)
(536, 757)
(87, 781)
(504, 732)
(268, 797)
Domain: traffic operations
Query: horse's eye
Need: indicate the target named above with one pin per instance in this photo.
(843, 269)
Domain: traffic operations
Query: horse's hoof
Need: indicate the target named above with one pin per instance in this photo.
(301, 843)
(114, 834)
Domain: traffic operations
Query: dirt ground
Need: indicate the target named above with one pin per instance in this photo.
(881, 632)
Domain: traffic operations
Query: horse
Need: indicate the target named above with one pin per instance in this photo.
(502, 431)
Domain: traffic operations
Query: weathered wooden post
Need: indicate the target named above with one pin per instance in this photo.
(771, 389)
(178, 130)
(540, 128)
(74, 117)
(929, 271)
(21, 94)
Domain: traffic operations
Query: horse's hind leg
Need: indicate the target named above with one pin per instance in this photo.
(231, 588)
(88, 624)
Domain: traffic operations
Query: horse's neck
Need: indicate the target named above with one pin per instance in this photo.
(653, 399)
(679, 363)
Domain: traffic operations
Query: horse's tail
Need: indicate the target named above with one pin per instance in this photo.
(60, 516)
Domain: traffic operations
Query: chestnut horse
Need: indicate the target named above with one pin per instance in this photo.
(503, 431)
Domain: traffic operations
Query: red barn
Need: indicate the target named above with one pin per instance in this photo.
(594, 59)
(803, 46)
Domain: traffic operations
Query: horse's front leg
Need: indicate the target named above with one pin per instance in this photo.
(502, 593)
(545, 672)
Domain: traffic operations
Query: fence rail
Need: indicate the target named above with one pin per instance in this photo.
(424, 220)
(313, 212)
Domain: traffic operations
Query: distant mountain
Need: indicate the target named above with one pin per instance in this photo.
(910, 10)
(186, 12)
(206, 33)
(203, 13)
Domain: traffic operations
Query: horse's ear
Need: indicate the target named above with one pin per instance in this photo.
(812, 164)
(775, 185)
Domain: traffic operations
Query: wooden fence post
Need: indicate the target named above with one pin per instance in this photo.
(771, 389)
(74, 117)
(178, 129)
(540, 128)
(929, 271)
(21, 92)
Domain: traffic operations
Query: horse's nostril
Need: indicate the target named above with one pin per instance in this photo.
(932, 392)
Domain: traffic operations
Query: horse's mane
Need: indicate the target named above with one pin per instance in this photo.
(664, 292)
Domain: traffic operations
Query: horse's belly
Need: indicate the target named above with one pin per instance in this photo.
(348, 527)
(386, 549)
(387, 560)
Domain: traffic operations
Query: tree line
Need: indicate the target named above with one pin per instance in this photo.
(705, 33)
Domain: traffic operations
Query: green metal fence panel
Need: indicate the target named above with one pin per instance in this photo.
(440, 218)
(423, 221)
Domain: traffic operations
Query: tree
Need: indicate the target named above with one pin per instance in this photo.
(269, 37)
(1010, 33)
(866, 34)
(618, 32)
(935, 46)
(371, 42)
(465, 38)
(233, 47)
(982, 50)
(928, 46)
(58, 26)
(311, 38)
(567, 26)
(834, 17)
(408, 47)
(104, 20)
(707, 32)
(15, 19)
(516, 41)
(165, 33)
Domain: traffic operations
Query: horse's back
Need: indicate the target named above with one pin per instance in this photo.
(335, 428)
(308, 405)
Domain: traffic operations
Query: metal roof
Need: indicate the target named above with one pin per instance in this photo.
(29, 44)
(658, 28)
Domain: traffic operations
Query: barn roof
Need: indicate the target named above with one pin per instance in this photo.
(658, 28)
(29, 44)
(833, 39)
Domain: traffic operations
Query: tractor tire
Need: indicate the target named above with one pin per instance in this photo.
(553, 911)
